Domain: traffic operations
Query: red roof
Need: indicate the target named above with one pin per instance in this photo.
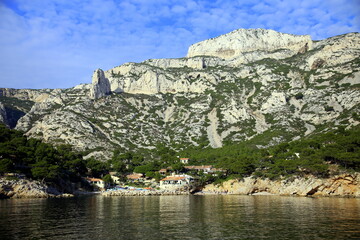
(94, 179)
(173, 178)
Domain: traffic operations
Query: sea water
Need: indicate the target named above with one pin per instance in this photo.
(181, 217)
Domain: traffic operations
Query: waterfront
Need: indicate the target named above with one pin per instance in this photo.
(181, 217)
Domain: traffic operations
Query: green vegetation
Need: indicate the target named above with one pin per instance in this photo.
(307, 156)
(38, 160)
(299, 96)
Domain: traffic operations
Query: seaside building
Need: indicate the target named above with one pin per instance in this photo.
(97, 182)
(176, 182)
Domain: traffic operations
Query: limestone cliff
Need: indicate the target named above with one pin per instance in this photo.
(242, 42)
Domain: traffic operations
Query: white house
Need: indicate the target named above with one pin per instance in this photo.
(176, 182)
(97, 182)
(115, 178)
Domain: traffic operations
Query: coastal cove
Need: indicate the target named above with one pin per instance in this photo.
(181, 217)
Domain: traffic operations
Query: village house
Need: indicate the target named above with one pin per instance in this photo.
(175, 182)
(203, 168)
(207, 169)
(97, 182)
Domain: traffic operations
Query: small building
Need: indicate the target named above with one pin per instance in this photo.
(203, 168)
(184, 160)
(207, 169)
(115, 178)
(176, 182)
(96, 182)
(163, 171)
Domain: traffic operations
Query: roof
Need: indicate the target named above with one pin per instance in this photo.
(198, 167)
(163, 170)
(134, 176)
(184, 158)
(94, 179)
(173, 178)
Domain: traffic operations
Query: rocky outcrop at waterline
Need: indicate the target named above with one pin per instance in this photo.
(28, 189)
(344, 185)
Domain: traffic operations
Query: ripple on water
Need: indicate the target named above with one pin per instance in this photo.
(181, 217)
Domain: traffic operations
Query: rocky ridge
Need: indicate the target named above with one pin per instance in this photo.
(247, 45)
(270, 85)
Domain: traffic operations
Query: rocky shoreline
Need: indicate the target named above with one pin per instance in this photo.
(24, 188)
(344, 185)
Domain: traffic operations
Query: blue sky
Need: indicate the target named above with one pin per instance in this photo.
(59, 43)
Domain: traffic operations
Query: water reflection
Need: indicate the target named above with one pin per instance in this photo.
(181, 217)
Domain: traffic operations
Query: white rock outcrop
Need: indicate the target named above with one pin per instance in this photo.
(100, 85)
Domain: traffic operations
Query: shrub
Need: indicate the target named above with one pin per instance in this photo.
(299, 96)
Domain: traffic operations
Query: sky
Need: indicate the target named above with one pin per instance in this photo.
(59, 43)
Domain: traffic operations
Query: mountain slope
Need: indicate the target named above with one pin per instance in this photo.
(231, 88)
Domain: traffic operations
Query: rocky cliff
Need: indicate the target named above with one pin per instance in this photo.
(27, 189)
(245, 84)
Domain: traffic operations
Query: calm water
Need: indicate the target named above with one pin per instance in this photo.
(181, 217)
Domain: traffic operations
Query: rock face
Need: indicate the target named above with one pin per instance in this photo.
(27, 189)
(341, 185)
(100, 85)
(3, 115)
(272, 86)
(242, 42)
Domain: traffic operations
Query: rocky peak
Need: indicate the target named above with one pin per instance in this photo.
(237, 43)
(100, 85)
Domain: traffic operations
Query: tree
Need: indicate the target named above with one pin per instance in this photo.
(108, 179)
(178, 167)
(45, 171)
(6, 165)
(96, 167)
